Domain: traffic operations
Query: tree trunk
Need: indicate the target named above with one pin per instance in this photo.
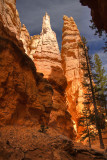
(94, 102)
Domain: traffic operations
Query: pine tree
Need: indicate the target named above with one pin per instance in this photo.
(89, 74)
(87, 122)
(86, 116)
(100, 80)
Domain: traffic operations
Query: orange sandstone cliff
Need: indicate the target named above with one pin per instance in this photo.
(25, 37)
(47, 59)
(25, 96)
(30, 93)
(63, 72)
(9, 16)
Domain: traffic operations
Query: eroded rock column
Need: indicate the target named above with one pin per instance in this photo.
(47, 60)
(71, 62)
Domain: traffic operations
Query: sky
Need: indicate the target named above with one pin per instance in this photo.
(31, 13)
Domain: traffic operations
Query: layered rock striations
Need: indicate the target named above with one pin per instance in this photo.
(46, 49)
(26, 99)
(33, 44)
(71, 62)
(9, 17)
(25, 96)
(47, 60)
(25, 37)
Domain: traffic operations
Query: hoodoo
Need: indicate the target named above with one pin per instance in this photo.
(47, 59)
(36, 112)
(71, 62)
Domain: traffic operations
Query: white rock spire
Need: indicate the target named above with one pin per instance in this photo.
(46, 26)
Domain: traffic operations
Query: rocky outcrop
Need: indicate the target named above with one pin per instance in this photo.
(47, 59)
(98, 12)
(47, 53)
(10, 25)
(9, 16)
(25, 37)
(71, 62)
(34, 44)
(25, 96)
(24, 143)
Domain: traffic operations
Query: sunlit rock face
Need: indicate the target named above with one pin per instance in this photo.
(25, 37)
(47, 59)
(47, 51)
(25, 96)
(71, 62)
(98, 12)
(33, 44)
(9, 16)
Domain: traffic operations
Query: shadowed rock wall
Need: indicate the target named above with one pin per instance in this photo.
(25, 96)
(98, 12)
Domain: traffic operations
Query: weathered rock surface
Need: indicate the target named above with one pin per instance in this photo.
(34, 44)
(47, 53)
(25, 37)
(26, 99)
(98, 12)
(24, 143)
(47, 60)
(71, 62)
(9, 16)
(25, 96)
(10, 25)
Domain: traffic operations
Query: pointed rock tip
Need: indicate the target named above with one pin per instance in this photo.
(47, 15)
(23, 26)
(67, 18)
(36, 36)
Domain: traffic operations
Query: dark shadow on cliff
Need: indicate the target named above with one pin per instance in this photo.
(57, 79)
(23, 91)
(99, 17)
(98, 12)
(60, 118)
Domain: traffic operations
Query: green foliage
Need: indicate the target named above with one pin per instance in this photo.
(101, 78)
(87, 122)
(101, 84)
(90, 95)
